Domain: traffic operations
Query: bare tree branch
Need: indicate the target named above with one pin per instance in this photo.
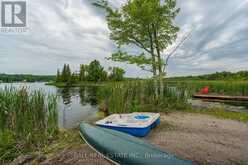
(177, 46)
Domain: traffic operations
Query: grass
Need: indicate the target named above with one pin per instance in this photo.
(28, 121)
(240, 162)
(65, 140)
(239, 88)
(143, 96)
(221, 113)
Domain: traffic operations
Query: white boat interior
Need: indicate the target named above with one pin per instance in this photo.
(132, 120)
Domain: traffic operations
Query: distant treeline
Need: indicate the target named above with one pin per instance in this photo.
(25, 77)
(92, 72)
(241, 75)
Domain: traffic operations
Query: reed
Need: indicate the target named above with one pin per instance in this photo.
(149, 95)
(27, 121)
(159, 96)
(239, 88)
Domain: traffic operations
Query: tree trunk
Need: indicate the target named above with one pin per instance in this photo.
(154, 67)
(158, 50)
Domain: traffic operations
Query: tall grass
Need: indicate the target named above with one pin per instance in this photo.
(27, 121)
(149, 95)
(232, 88)
(159, 96)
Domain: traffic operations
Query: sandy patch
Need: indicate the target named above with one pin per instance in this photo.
(203, 139)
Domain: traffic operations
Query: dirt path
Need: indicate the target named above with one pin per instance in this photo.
(201, 138)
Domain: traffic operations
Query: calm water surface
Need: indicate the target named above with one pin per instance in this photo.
(74, 104)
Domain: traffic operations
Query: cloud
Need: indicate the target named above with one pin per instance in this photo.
(75, 32)
(220, 43)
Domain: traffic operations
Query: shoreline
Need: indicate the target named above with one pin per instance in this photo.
(81, 84)
(202, 138)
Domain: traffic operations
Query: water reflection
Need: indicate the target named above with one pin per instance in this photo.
(88, 95)
(77, 104)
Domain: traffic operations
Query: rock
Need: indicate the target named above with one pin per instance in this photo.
(41, 158)
(23, 159)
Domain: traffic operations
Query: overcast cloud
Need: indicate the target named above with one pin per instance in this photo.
(75, 32)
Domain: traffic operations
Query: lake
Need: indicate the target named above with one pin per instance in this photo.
(74, 104)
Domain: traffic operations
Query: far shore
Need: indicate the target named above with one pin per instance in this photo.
(80, 84)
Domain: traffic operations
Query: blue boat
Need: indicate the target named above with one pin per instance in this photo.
(136, 124)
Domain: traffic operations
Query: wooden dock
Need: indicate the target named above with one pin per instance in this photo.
(221, 97)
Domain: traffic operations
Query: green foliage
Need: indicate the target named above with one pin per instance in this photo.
(74, 78)
(146, 95)
(66, 73)
(117, 74)
(93, 72)
(241, 75)
(147, 24)
(58, 76)
(96, 72)
(160, 96)
(221, 113)
(25, 77)
(28, 120)
(83, 72)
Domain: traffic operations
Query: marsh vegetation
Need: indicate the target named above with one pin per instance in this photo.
(28, 120)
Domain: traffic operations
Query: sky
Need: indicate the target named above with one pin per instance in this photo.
(75, 32)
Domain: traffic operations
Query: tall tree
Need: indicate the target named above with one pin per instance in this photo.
(66, 73)
(58, 77)
(147, 24)
(83, 72)
(73, 78)
(96, 72)
(63, 74)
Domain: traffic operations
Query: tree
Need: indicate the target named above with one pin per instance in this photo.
(83, 72)
(63, 74)
(147, 24)
(117, 74)
(104, 76)
(73, 78)
(58, 77)
(96, 72)
(66, 73)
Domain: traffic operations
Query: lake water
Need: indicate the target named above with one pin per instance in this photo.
(74, 104)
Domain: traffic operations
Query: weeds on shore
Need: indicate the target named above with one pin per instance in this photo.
(238, 88)
(221, 113)
(149, 95)
(27, 121)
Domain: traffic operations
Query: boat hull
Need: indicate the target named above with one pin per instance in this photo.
(121, 148)
(136, 124)
(139, 132)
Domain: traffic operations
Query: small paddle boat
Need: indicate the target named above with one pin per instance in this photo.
(123, 149)
(136, 124)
